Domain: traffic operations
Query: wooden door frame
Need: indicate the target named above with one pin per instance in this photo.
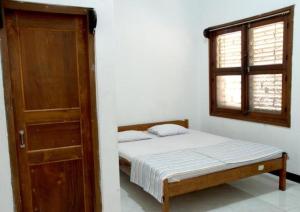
(8, 97)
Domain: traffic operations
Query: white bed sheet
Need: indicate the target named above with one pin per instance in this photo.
(192, 139)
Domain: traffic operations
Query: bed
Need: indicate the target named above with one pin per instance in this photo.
(219, 156)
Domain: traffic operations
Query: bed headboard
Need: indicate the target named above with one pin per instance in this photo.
(144, 127)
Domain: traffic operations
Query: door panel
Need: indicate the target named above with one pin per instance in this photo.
(54, 155)
(44, 136)
(59, 185)
(48, 57)
(49, 66)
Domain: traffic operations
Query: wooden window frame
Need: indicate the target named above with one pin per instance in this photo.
(280, 119)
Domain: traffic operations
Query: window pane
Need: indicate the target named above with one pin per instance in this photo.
(266, 44)
(229, 91)
(265, 92)
(229, 50)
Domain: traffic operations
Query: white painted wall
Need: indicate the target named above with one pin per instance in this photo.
(162, 67)
(218, 12)
(106, 111)
(155, 63)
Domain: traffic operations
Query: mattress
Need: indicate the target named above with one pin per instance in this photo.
(194, 139)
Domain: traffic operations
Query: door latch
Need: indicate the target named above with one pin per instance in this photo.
(21, 135)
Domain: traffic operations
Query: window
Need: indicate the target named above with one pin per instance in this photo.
(250, 68)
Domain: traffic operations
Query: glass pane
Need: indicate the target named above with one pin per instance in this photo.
(266, 44)
(229, 91)
(265, 92)
(229, 50)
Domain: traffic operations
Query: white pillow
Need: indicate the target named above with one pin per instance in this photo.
(167, 129)
(132, 135)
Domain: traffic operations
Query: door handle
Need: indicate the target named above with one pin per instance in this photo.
(21, 135)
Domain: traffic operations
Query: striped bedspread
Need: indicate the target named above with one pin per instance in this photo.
(238, 151)
(149, 171)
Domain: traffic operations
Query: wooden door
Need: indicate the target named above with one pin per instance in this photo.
(49, 70)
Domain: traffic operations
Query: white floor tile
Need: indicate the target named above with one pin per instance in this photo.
(254, 194)
(294, 210)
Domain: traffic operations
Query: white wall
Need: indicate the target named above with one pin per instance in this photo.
(162, 67)
(218, 12)
(155, 64)
(106, 111)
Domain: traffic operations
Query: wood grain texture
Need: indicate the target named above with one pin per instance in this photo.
(226, 176)
(45, 8)
(246, 70)
(54, 154)
(57, 187)
(282, 173)
(144, 127)
(47, 64)
(53, 135)
(94, 120)
(7, 84)
(166, 197)
(245, 20)
(125, 166)
(53, 115)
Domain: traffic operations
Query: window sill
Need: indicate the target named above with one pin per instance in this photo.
(255, 117)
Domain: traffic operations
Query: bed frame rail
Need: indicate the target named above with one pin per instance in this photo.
(172, 189)
(226, 176)
(144, 127)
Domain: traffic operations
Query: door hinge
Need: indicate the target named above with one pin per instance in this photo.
(92, 16)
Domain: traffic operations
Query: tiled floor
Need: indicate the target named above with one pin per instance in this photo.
(257, 194)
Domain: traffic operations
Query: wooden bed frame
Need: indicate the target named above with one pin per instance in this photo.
(172, 189)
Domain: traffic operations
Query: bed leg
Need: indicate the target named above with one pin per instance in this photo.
(282, 173)
(166, 198)
(166, 205)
